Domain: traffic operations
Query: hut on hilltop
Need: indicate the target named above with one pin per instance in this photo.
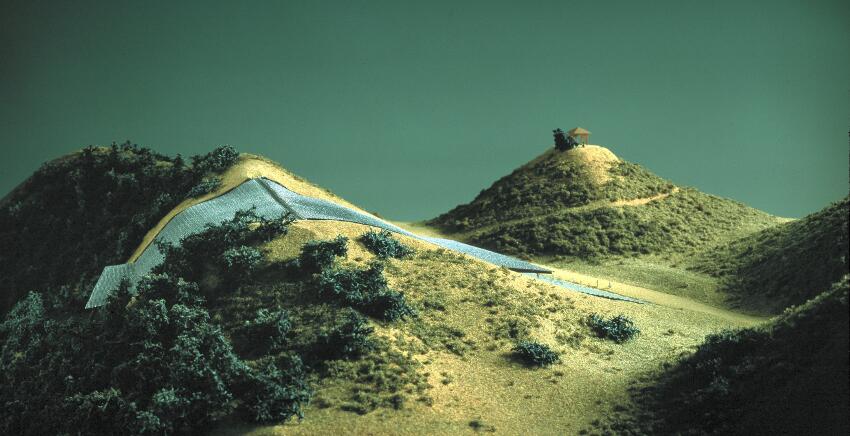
(581, 133)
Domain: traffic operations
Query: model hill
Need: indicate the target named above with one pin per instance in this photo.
(760, 380)
(254, 323)
(586, 202)
(786, 264)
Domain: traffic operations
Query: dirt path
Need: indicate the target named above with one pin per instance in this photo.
(423, 228)
(642, 201)
(656, 297)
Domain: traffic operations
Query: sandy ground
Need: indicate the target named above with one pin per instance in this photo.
(597, 159)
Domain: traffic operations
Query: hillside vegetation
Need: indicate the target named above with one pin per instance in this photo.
(253, 323)
(585, 203)
(786, 377)
(554, 181)
(90, 209)
(783, 265)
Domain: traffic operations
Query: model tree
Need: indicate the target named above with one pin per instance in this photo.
(563, 142)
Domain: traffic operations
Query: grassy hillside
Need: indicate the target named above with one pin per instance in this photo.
(254, 322)
(587, 204)
(678, 225)
(787, 377)
(783, 265)
(451, 368)
(553, 181)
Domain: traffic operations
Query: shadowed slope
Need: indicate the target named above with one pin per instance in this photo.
(786, 264)
(787, 377)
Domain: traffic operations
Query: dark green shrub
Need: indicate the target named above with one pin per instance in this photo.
(226, 246)
(204, 187)
(366, 290)
(535, 353)
(384, 245)
(268, 330)
(347, 340)
(156, 365)
(317, 255)
(273, 396)
(563, 141)
(240, 262)
(618, 328)
(215, 161)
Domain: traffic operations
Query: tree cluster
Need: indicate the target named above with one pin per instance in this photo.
(563, 141)
(79, 213)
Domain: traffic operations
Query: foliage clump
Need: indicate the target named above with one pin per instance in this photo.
(158, 365)
(563, 141)
(204, 187)
(535, 354)
(384, 245)
(89, 209)
(319, 255)
(268, 330)
(228, 247)
(348, 339)
(366, 290)
(617, 328)
(215, 161)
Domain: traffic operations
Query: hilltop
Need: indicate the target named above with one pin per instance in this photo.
(587, 211)
(587, 203)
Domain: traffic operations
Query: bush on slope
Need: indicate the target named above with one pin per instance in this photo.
(786, 264)
(154, 363)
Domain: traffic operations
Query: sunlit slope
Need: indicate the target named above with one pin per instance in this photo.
(783, 265)
(450, 368)
(586, 203)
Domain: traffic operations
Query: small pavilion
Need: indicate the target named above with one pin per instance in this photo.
(583, 134)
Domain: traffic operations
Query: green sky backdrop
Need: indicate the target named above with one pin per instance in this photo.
(409, 108)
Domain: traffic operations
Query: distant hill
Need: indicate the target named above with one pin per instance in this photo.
(784, 265)
(587, 203)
